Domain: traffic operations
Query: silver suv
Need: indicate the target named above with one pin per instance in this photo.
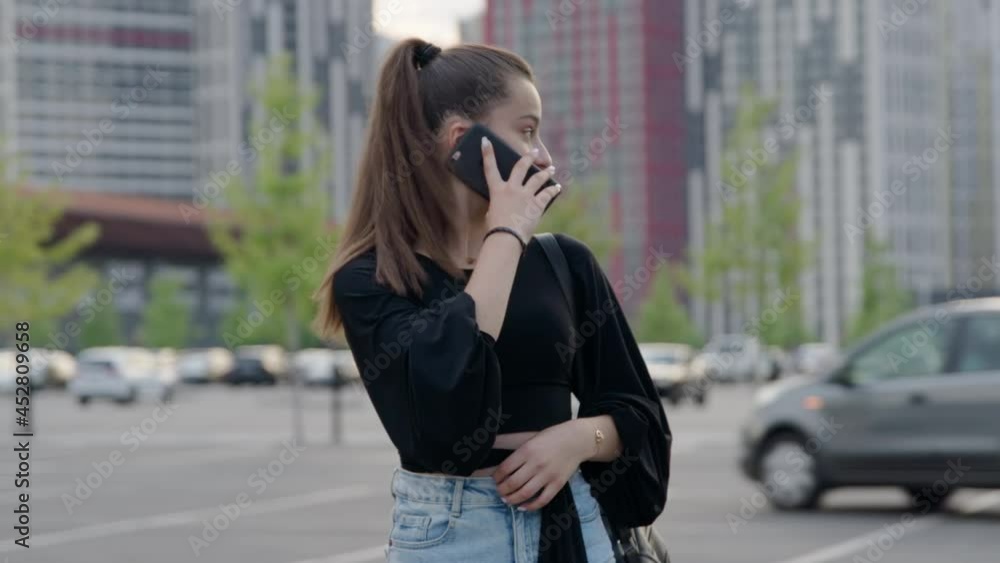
(915, 405)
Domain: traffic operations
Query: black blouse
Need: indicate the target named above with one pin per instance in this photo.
(443, 389)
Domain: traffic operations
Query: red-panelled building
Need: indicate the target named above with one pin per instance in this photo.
(613, 105)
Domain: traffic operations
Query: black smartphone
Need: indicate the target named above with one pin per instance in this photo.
(466, 161)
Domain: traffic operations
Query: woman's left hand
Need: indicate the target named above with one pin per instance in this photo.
(543, 465)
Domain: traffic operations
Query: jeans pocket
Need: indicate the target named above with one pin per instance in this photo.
(419, 525)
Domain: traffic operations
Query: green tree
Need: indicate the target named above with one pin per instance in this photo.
(274, 236)
(753, 250)
(40, 279)
(101, 325)
(167, 321)
(241, 325)
(581, 211)
(663, 318)
(881, 299)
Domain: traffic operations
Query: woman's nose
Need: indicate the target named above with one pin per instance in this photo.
(543, 159)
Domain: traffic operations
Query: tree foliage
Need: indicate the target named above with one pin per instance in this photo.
(101, 325)
(167, 320)
(581, 211)
(663, 318)
(881, 297)
(273, 234)
(41, 279)
(753, 250)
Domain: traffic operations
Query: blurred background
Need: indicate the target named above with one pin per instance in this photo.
(795, 200)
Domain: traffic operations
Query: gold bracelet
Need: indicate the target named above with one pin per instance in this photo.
(598, 438)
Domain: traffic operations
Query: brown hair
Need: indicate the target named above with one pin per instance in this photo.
(403, 192)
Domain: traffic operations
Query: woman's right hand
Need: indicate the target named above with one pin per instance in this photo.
(513, 202)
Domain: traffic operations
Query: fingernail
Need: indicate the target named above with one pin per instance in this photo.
(522, 509)
(486, 142)
(504, 500)
(558, 187)
(551, 169)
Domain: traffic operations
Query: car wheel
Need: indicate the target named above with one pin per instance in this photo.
(788, 472)
(128, 399)
(83, 400)
(926, 499)
(700, 398)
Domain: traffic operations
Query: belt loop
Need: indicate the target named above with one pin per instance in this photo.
(456, 498)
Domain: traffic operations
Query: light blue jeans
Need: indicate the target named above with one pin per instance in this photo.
(439, 519)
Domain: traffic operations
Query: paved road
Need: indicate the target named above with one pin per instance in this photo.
(315, 503)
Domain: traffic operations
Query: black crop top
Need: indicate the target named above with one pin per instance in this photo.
(436, 380)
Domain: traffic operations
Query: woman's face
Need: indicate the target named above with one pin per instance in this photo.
(518, 120)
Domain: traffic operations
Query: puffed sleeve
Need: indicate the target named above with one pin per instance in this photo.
(432, 374)
(611, 378)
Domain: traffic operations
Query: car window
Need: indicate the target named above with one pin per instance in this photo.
(981, 344)
(918, 349)
(660, 358)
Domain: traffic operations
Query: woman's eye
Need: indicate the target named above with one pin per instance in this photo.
(530, 132)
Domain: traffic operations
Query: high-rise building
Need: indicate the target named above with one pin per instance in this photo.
(975, 112)
(994, 32)
(332, 48)
(470, 29)
(861, 88)
(95, 95)
(612, 106)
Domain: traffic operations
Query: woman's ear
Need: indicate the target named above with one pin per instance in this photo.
(452, 130)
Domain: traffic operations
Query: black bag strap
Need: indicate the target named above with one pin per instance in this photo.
(560, 266)
(623, 549)
(557, 259)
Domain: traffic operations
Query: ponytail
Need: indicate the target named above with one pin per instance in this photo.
(403, 194)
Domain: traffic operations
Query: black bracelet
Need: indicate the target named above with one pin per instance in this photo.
(507, 230)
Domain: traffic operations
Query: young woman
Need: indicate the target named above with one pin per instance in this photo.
(466, 345)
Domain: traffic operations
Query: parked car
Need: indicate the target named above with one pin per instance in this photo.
(204, 365)
(316, 366)
(733, 358)
(780, 362)
(122, 374)
(347, 369)
(813, 357)
(668, 366)
(8, 372)
(898, 409)
(260, 364)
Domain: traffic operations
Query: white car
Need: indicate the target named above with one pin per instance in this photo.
(323, 366)
(315, 366)
(814, 357)
(347, 369)
(55, 367)
(204, 365)
(8, 371)
(732, 358)
(122, 374)
(669, 368)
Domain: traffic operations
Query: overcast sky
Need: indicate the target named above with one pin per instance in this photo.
(435, 21)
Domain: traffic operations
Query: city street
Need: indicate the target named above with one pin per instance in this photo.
(150, 480)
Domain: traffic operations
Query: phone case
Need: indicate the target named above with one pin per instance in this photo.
(466, 161)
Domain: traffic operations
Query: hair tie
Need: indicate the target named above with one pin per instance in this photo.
(425, 55)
